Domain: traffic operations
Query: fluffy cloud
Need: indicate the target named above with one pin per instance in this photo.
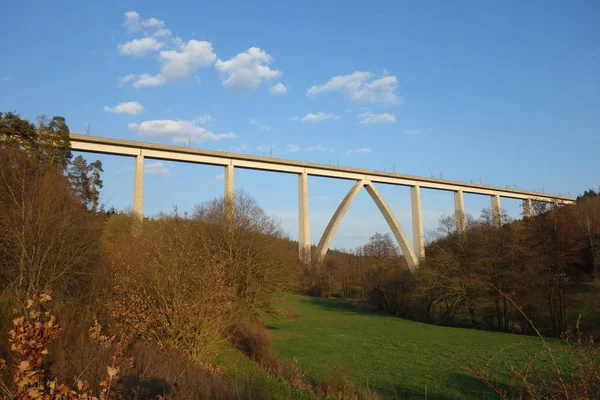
(360, 87)
(156, 168)
(130, 107)
(139, 47)
(314, 117)
(134, 22)
(416, 131)
(127, 78)
(372, 118)
(246, 71)
(260, 126)
(362, 150)
(181, 63)
(279, 88)
(292, 148)
(179, 130)
(145, 80)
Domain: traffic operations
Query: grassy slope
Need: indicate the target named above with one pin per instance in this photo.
(388, 354)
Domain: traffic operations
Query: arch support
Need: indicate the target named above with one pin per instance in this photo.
(335, 221)
(407, 250)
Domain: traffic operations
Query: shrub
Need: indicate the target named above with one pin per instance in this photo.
(251, 246)
(47, 239)
(167, 288)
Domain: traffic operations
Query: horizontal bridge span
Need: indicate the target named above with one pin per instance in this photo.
(103, 145)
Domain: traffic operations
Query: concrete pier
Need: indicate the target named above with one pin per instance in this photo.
(417, 221)
(304, 250)
(459, 211)
(138, 186)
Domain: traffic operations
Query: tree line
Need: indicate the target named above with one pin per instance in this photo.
(548, 263)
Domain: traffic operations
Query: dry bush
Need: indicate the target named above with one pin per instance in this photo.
(251, 338)
(34, 328)
(172, 373)
(39, 343)
(47, 239)
(251, 246)
(167, 288)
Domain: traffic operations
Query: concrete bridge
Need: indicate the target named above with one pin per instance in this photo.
(361, 177)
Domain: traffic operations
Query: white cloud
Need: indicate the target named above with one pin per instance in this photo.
(246, 71)
(134, 22)
(156, 168)
(239, 149)
(360, 87)
(127, 78)
(181, 131)
(181, 63)
(318, 147)
(279, 88)
(416, 131)
(220, 177)
(163, 32)
(314, 117)
(372, 118)
(259, 125)
(153, 23)
(292, 148)
(139, 47)
(130, 107)
(363, 150)
(145, 80)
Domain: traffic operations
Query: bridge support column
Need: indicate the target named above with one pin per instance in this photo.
(138, 186)
(527, 210)
(417, 221)
(229, 194)
(335, 221)
(496, 211)
(459, 211)
(304, 249)
(407, 251)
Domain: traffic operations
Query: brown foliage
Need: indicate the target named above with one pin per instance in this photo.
(251, 247)
(33, 330)
(167, 288)
(48, 240)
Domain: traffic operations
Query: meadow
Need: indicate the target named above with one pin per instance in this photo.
(397, 358)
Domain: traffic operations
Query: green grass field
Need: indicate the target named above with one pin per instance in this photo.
(395, 357)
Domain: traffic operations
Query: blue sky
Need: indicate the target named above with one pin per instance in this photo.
(503, 92)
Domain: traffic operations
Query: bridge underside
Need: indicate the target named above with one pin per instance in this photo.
(362, 178)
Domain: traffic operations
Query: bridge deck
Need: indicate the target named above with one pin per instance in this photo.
(104, 145)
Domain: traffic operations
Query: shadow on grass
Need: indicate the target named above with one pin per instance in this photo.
(338, 305)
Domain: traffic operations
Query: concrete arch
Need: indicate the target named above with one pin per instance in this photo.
(407, 250)
(335, 221)
(390, 218)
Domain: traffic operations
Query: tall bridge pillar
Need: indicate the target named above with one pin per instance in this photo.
(527, 210)
(138, 186)
(417, 221)
(229, 194)
(496, 210)
(304, 249)
(459, 211)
